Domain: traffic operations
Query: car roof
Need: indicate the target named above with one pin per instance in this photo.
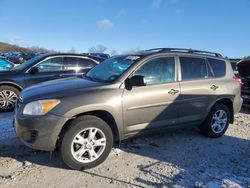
(182, 51)
(73, 54)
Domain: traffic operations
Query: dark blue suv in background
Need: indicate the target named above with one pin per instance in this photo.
(40, 69)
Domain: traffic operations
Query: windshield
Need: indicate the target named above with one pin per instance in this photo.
(110, 69)
(29, 63)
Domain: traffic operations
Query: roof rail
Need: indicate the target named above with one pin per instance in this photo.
(184, 50)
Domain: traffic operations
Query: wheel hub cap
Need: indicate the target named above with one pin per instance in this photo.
(219, 121)
(88, 145)
(7, 99)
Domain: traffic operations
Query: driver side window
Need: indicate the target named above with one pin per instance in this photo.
(51, 65)
(157, 71)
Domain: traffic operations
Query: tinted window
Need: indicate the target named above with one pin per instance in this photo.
(50, 65)
(88, 63)
(71, 63)
(217, 67)
(29, 62)
(74, 63)
(159, 70)
(193, 68)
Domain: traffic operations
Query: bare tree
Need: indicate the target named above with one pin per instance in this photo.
(98, 49)
(72, 50)
(113, 52)
(132, 50)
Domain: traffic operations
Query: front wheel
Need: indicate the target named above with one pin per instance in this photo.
(86, 143)
(8, 97)
(217, 121)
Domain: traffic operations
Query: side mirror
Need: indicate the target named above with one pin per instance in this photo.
(137, 80)
(33, 70)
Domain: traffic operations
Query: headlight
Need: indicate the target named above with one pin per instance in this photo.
(40, 107)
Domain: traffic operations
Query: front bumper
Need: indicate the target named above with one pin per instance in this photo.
(39, 132)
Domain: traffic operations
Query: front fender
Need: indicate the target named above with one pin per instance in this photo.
(114, 111)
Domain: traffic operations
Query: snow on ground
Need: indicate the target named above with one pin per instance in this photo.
(181, 158)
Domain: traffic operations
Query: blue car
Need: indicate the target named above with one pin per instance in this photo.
(5, 65)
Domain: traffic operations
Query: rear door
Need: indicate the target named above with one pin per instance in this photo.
(196, 89)
(76, 66)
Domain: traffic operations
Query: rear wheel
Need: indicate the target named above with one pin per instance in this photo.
(87, 143)
(217, 121)
(8, 97)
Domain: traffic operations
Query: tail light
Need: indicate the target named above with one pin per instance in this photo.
(238, 80)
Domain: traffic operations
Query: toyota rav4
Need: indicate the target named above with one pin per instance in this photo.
(125, 96)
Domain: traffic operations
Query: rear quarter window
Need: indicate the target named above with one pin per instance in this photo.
(217, 67)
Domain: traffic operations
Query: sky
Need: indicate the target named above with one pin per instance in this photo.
(215, 25)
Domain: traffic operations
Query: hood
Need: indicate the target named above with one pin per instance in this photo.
(7, 72)
(58, 88)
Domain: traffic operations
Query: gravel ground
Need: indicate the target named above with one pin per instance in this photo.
(181, 158)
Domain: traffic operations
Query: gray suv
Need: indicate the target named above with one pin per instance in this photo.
(125, 96)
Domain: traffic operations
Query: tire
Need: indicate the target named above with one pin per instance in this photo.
(76, 147)
(216, 128)
(8, 97)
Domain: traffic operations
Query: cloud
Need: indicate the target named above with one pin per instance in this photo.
(156, 3)
(105, 24)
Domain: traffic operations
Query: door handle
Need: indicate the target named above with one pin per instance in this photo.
(173, 91)
(214, 87)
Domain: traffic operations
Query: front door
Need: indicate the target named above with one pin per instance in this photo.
(153, 105)
(49, 69)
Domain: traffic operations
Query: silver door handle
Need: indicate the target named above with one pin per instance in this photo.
(173, 91)
(214, 87)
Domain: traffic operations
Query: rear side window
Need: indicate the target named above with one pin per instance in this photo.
(217, 67)
(74, 63)
(193, 68)
(88, 63)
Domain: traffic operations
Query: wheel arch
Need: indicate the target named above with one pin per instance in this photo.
(102, 114)
(12, 84)
(227, 102)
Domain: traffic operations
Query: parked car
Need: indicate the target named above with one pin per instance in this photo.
(234, 65)
(5, 65)
(244, 72)
(128, 95)
(19, 57)
(101, 55)
(40, 69)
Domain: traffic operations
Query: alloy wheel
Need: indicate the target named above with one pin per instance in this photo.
(7, 99)
(219, 121)
(88, 145)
